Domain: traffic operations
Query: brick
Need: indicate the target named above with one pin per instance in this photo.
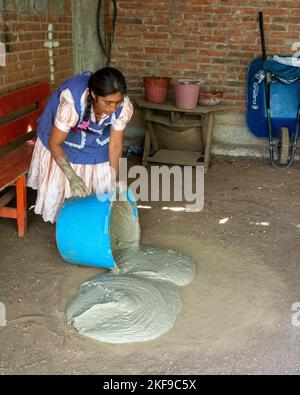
(25, 33)
(214, 39)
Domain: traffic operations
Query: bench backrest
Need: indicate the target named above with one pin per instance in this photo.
(36, 95)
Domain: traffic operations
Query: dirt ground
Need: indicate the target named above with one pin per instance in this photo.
(236, 314)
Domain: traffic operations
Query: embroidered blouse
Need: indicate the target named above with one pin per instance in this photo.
(67, 117)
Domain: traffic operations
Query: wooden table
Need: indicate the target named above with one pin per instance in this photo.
(169, 115)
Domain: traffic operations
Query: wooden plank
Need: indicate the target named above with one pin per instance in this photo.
(169, 106)
(15, 164)
(7, 197)
(24, 97)
(17, 143)
(6, 181)
(8, 213)
(19, 127)
(165, 120)
(175, 157)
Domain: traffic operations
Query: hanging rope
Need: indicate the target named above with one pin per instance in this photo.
(106, 23)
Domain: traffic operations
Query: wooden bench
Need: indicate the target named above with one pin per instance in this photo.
(19, 111)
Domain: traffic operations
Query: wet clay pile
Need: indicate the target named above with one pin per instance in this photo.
(141, 301)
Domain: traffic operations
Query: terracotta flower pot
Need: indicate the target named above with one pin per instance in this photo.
(210, 98)
(156, 89)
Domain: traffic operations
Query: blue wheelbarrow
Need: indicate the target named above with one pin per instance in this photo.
(273, 103)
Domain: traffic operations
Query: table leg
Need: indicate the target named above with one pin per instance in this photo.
(153, 139)
(147, 146)
(207, 128)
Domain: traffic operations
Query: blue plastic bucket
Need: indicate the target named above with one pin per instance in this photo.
(83, 229)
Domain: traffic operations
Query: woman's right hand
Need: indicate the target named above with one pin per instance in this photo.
(78, 187)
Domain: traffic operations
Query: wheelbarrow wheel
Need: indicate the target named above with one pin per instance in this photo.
(283, 154)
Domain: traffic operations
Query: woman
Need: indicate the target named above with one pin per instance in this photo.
(80, 139)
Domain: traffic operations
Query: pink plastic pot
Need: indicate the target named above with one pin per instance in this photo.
(186, 93)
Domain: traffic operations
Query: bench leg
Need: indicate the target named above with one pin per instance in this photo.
(21, 206)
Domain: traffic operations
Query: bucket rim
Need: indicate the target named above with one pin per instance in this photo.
(188, 81)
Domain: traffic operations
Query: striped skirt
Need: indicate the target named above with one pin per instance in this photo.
(52, 185)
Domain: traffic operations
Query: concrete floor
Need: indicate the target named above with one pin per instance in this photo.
(236, 314)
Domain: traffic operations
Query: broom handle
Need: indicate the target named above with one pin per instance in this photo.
(262, 35)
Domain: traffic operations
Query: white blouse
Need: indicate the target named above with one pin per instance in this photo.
(67, 116)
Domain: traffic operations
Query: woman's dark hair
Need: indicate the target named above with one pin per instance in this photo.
(104, 82)
(107, 81)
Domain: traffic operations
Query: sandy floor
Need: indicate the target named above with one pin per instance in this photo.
(236, 315)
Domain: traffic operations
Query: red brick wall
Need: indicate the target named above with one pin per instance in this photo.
(24, 32)
(209, 39)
